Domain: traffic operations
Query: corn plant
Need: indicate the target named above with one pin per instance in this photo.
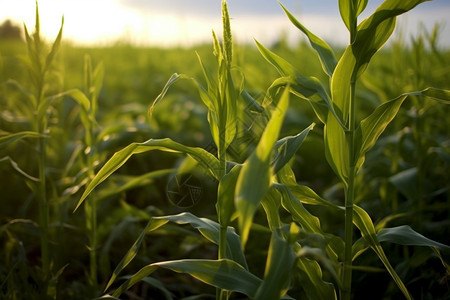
(347, 139)
(39, 62)
(300, 251)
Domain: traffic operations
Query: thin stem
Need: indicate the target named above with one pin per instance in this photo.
(42, 196)
(43, 207)
(349, 199)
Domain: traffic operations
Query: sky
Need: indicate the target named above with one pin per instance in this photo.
(187, 22)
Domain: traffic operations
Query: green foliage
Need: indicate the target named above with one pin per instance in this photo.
(272, 220)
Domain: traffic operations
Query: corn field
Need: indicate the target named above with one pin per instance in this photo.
(228, 171)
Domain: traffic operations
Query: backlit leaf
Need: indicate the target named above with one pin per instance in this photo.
(286, 148)
(373, 126)
(224, 274)
(210, 230)
(405, 235)
(279, 264)
(255, 177)
(119, 158)
(225, 198)
(362, 220)
(326, 54)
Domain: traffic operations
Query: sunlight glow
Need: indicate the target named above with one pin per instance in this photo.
(101, 22)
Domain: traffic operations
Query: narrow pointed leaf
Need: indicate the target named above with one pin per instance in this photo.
(303, 193)
(12, 137)
(372, 34)
(16, 167)
(311, 280)
(373, 126)
(169, 83)
(286, 148)
(336, 148)
(131, 253)
(141, 274)
(405, 235)
(271, 204)
(224, 274)
(326, 54)
(119, 158)
(55, 46)
(225, 198)
(299, 213)
(255, 176)
(210, 230)
(279, 264)
(283, 67)
(362, 220)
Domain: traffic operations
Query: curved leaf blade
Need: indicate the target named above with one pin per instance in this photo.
(285, 148)
(254, 179)
(210, 230)
(119, 158)
(405, 235)
(326, 54)
(280, 260)
(373, 126)
(362, 220)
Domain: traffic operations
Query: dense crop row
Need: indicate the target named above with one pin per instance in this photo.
(261, 173)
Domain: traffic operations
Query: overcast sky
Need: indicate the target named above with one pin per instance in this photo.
(186, 22)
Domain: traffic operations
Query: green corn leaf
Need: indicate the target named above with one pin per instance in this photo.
(299, 213)
(405, 235)
(350, 10)
(9, 138)
(141, 274)
(308, 88)
(308, 222)
(55, 47)
(326, 54)
(209, 96)
(119, 158)
(79, 97)
(16, 167)
(166, 87)
(17, 86)
(251, 103)
(255, 177)
(225, 198)
(310, 274)
(131, 253)
(282, 66)
(336, 148)
(75, 94)
(279, 264)
(286, 148)
(224, 274)
(373, 126)
(319, 255)
(374, 31)
(361, 6)
(210, 230)
(132, 182)
(303, 193)
(405, 182)
(271, 204)
(96, 86)
(372, 34)
(362, 220)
